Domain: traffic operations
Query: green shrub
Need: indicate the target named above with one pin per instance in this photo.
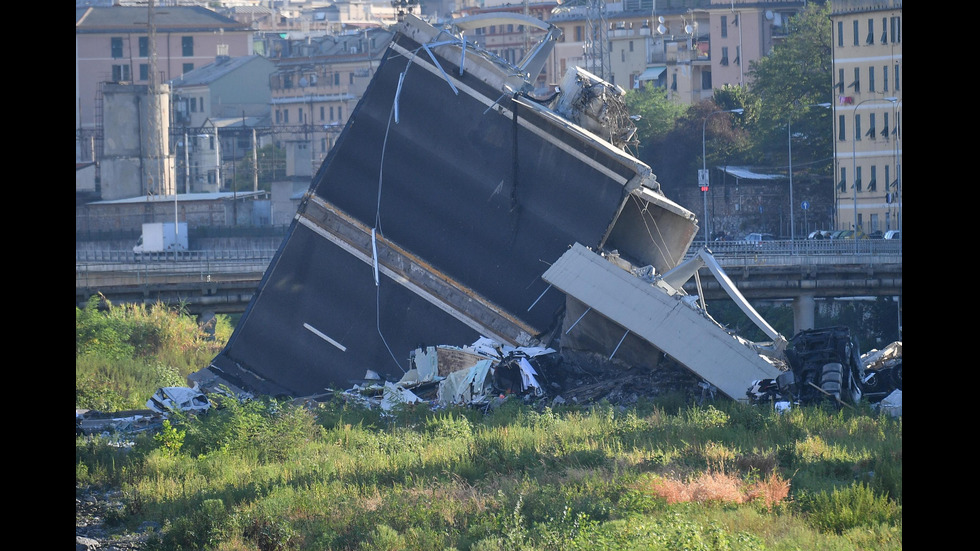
(169, 438)
(204, 528)
(849, 507)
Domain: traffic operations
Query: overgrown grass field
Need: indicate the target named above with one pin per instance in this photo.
(266, 474)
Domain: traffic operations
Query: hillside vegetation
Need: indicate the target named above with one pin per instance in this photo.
(666, 474)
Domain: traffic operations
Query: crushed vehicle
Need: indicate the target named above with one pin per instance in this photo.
(169, 399)
(825, 364)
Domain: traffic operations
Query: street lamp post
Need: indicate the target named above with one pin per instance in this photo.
(703, 177)
(854, 140)
(789, 143)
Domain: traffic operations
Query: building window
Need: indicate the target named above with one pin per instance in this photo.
(871, 126)
(673, 82)
(738, 55)
(144, 71)
(724, 26)
(193, 105)
(871, 32)
(336, 79)
(578, 33)
(840, 34)
(706, 80)
(884, 131)
(321, 112)
(887, 177)
(331, 112)
(857, 128)
(116, 47)
(339, 114)
(873, 182)
(187, 67)
(622, 56)
(323, 145)
(857, 178)
(631, 45)
(299, 117)
(896, 78)
(724, 55)
(350, 77)
(840, 80)
(842, 184)
(896, 29)
(120, 73)
(871, 79)
(841, 128)
(857, 81)
(884, 30)
(884, 78)
(187, 46)
(278, 116)
(285, 116)
(144, 43)
(856, 32)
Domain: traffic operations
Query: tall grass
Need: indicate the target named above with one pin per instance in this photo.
(266, 474)
(123, 353)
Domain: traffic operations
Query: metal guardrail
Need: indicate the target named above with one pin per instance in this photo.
(868, 252)
(239, 270)
(211, 255)
(804, 252)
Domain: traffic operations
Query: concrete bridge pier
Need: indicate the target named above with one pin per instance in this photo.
(804, 307)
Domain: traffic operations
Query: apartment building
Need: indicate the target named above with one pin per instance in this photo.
(113, 45)
(687, 47)
(867, 42)
(221, 113)
(315, 88)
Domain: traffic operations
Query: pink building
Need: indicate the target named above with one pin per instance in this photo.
(113, 45)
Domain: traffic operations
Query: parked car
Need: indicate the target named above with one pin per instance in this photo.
(819, 234)
(877, 234)
(892, 234)
(757, 238)
(848, 234)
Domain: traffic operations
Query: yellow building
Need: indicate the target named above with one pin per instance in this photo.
(867, 44)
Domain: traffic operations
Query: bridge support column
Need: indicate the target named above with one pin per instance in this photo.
(803, 312)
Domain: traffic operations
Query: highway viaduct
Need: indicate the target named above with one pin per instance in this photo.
(223, 281)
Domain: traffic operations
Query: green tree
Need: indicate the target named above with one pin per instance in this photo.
(788, 84)
(656, 116)
(272, 167)
(678, 159)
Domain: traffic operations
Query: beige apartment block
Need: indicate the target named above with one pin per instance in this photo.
(867, 42)
(689, 48)
(314, 91)
(113, 45)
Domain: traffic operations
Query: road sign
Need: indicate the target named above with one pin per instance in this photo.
(805, 205)
(703, 178)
